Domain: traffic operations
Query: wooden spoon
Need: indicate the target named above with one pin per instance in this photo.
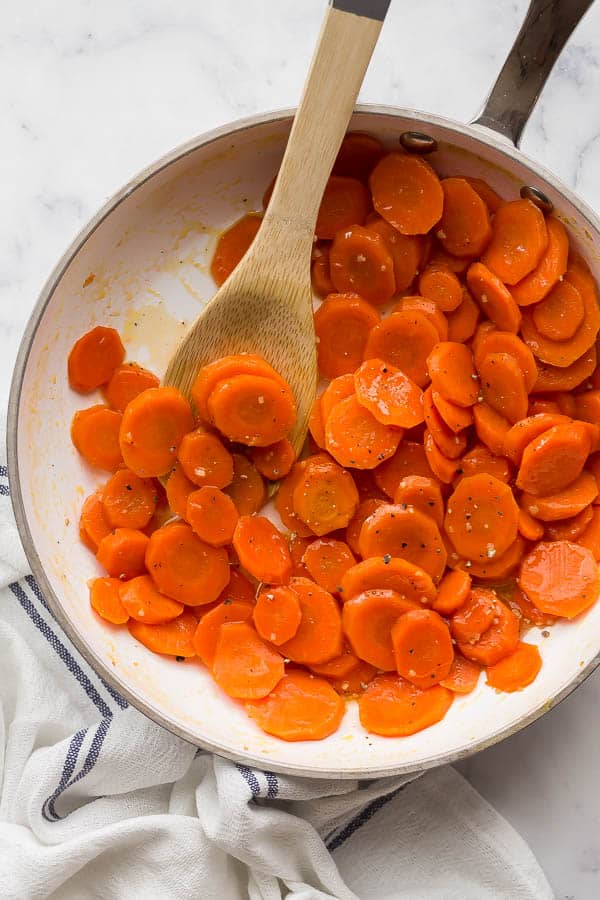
(265, 306)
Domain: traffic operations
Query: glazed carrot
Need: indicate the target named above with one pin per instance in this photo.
(440, 284)
(128, 501)
(93, 521)
(105, 600)
(173, 638)
(388, 394)
(393, 707)
(364, 510)
(429, 309)
(179, 487)
(338, 389)
(298, 546)
(550, 268)
(462, 677)
(358, 155)
(407, 193)
(475, 616)
(462, 322)
(457, 418)
(342, 326)
(122, 553)
(491, 198)
(481, 517)
(587, 406)
(565, 503)
(561, 312)
(247, 490)
(453, 373)
(223, 369)
(252, 410)
(519, 240)
(338, 667)
(95, 435)
(319, 637)
(481, 460)
(212, 515)
(345, 203)
(327, 561)
(356, 681)
(404, 340)
(316, 424)
(494, 570)
(94, 358)
(560, 578)
(450, 444)
(302, 707)
(232, 246)
(239, 588)
(126, 382)
(556, 378)
(525, 431)
(423, 650)
(275, 460)
(464, 229)
(162, 513)
(368, 620)
(359, 261)
(144, 603)
(593, 466)
(423, 494)
(529, 528)
(515, 671)
(284, 502)
(153, 425)
(204, 459)
(185, 568)
(399, 575)
(442, 466)
(410, 459)
(554, 459)
(262, 550)
(590, 539)
(503, 386)
(493, 297)
(355, 438)
(569, 529)
(405, 250)
(543, 405)
(563, 353)
(494, 341)
(491, 427)
(452, 593)
(243, 665)
(206, 633)
(526, 612)
(498, 641)
(404, 533)
(277, 614)
(325, 497)
(320, 274)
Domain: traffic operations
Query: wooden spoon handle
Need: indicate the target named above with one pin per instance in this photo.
(348, 37)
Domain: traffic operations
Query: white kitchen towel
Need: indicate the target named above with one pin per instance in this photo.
(98, 802)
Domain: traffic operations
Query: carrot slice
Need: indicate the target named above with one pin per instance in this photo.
(212, 515)
(226, 368)
(319, 637)
(543, 405)
(122, 553)
(423, 494)
(559, 315)
(453, 374)
(569, 529)
(440, 284)
(404, 340)
(452, 593)
(457, 418)
(345, 202)
(275, 460)
(301, 707)
(207, 631)
(95, 435)
(232, 246)
(338, 389)
(105, 600)
(93, 521)
(482, 517)
(563, 353)
(407, 193)
(338, 667)
(94, 358)
(284, 502)
(526, 612)
(172, 638)
(462, 677)
(364, 510)
(498, 641)
(560, 578)
(342, 326)
(491, 198)
(565, 503)
(516, 671)
(239, 588)
(556, 378)
(262, 550)
(428, 309)
(423, 649)
(126, 382)
(128, 500)
(153, 425)
(462, 322)
(494, 341)
(184, 567)
(475, 616)
(178, 488)
(450, 444)
(252, 410)
(494, 570)
(327, 561)
(494, 298)
(529, 528)
(398, 575)
(392, 531)
(388, 394)
(481, 460)
(356, 681)
(554, 459)
(355, 438)
(393, 707)
(358, 155)
(550, 268)
(277, 614)
(320, 274)
(442, 467)
(144, 603)
(405, 249)
(587, 406)
(316, 424)
(464, 229)
(204, 459)
(360, 262)
(491, 427)
(519, 240)
(244, 666)
(325, 497)
(522, 433)
(247, 490)
(591, 536)
(410, 459)
(368, 620)
(503, 385)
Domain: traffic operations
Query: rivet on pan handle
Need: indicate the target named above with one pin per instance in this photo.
(528, 192)
(417, 142)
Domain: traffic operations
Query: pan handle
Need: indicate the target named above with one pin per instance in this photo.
(543, 34)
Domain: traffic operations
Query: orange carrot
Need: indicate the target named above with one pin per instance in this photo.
(105, 600)
(342, 325)
(515, 671)
(325, 497)
(355, 682)
(481, 517)
(442, 466)
(319, 637)
(497, 641)
(93, 521)
(206, 634)
(368, 621)
(392, 531)
(301, 707)
(144, 603)
(359, 261)
(327, 561)
(560, 578)
(450, 444)
(462, 677)
(590, 539)
(457, 418)
(179, 487)
(405, 250)
(320, 274)
(284, 502)
(550, 268)
(462, 322)
(529, 528)
(212, 515)
(275, 460)
(491, 427)
(453, 374)
(464, 229)
(423, 649)
(407, 193)
(405, 340)
(252, 410)
(277, 614)
(494, 298)
(94, 358)
(557, 378)
(492, 199)
(232, 246)
(475, 616)
(128, 501)
(393, 707)
(525, 431)
(429, 309)
(185, 568)
(95, 435)
(565, 503)
(423, 494)
(338, 389)
(345, 203)
(554, 459)
(388, 394)
(152, 428)
(569, 529)
(364, 510)
(494, 570)
(244, 666)
(358, 155)
(481, 460)
(127, 381)
(410, 459)
(399, 575)
(247, 490)
(239, 588)
(565, 352)
(338, 667)
(262, 550)
(519, 240)
(355, 438)
(205, 460)
(494, 341)
(452, 593)
(561, 312)
(440, 284)
(503, 386)
(226, 368)
(526, 612)
(316, 424)
(173, 638)
(122, 553)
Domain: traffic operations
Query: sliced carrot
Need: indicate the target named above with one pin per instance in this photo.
(556, 378)
(244, 666)
(590, 538)
(275, 460)
(223, 369)
(563, 353)
(122, 553)
(494, 570)
(320, 274)
(475, 616)
(239, 588)
(179, 487)
(491, 427)
(503, 385)
(494, 341)
(355, 682)
(498, 641)
(338, 667)
(399, 575)
(325, 496)
(94, 358)
(316, 424)
(153, 425)
(126, 382)
(392, 531)
(206, 633)
(569, 529)
(550, 268)
(367, 488)
(284, 502)
(450, 444)
(429, 309)
(388, 394)
(173, 638)
(519, 240)
(368, 620)
(593, 466)
(364, 510)
(526, 612)
(543, 405)
(407, 193)
(440, 284)
(327, 561)
(494, 298)
(355, 438)
(462, 322)
(342, 326)
(529, 528)
(358, 155)
(95, 435)
(319, 637)
(252, 410)
(204, 459)
(404, 340)
(560, 578)
(184, 567)
(93, 521)
(345, 202)
(457, 418)
(522, 433)
(144, 603)
(247, 490)
(462, 677)
(105, 600)
(128, 501)
(442, 467)
(452, 593)
(360, 261)
(301, 707)
(405, 249)
(464, 229)
(261, 549)
(232, 246)
(212, 515)
(453, 374)
(554, 459)
(482, 517)
(423, 494)
(481, 460)
(565, 503)
(516, 671)
(587, 406)
(491, 198)
(277, 614)
(423, 650)
(393, 707)
(338, 389)
(561, 312)
(410, 459)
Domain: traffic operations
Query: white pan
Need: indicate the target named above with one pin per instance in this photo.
(148, 251)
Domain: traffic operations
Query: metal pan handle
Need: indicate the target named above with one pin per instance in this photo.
(544, 32)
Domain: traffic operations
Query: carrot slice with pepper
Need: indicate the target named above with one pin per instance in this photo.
(262, 550)
(95, 435)
(338, 389)
(409, 459)
(563, 353)
(442, 467)
(388, 394)
(320, 274)
(516, 671)
(491, 198)
(554, 459)
(178, 488)
(277, 614)
(244, 666)
(494, 341)
(172, 638)
(239, 588)
(543, 405)
(122, 553)
(491, 427)
(405, 249)
(565, 503)
(356, 681)
(206, 633)
(105, 600)
(529, 528)
(184, 567)
(319, 637)
(316, 424)
(404, 533)
(475, 615)
(498, 641)
(560, 578)
(204, 459)
(365, 509)
(566, 378)
(212, 515)
(360, 261)
(481, 460)
(247, 490)
(522, 433)
(450, 444)
(526, 612)
(569, 529)
(325, 497)
(423, 494)
(345, 202)
(407, 193)
(302, 707)
(393, 707)
(128, 500)
(494, 298)
(355, 438)
(368, 620)
(232, 246)
(482, 517)
(94, 358)
(429, 309)
(519, 240)
(153, 425)
(223, 369)
(93, 521)
(462, 322)
(452, 593)
(561, 312)
(358, 155)
(399, 575)
(145, 604)
(252, 410)
(284, 502)
(457, 418)
(440, 284)
(453, 374)
(405, 340)
(275, 460)
(462, 677)
(423, 650)
(550, 268)
(494, 570)
(464, 229)
(342, 326)
(503, 385)
(126, 382)
(327, 561)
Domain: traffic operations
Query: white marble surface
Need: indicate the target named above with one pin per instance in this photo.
(91, 92)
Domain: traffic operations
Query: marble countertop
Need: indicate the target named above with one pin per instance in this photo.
(91, 93)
